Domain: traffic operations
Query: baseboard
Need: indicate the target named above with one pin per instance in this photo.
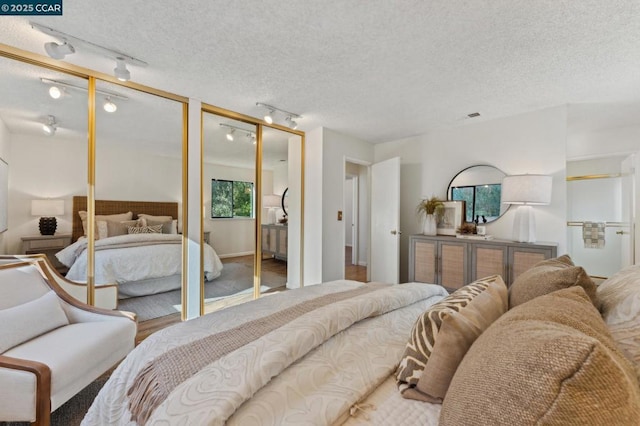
(362, 263)
(244, 253)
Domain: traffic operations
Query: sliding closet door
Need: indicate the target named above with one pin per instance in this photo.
(43, 156)
(138, 199)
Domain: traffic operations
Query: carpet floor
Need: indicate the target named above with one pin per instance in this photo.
(235, 278)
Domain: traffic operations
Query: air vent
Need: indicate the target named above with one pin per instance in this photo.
(473, 115)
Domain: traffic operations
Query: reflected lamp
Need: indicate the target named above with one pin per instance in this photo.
(47, 210)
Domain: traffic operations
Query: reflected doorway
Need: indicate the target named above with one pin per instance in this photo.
(355, 219)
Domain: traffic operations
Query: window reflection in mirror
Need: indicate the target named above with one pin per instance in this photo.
(138, 193)
(480, 188)
(51, 165)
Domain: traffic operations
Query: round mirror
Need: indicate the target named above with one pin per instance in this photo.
(284, 203)
(480, 188)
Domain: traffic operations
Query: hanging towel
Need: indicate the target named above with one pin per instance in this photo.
(593, 234)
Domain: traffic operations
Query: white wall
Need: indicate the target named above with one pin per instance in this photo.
(5, 147)
(527, 143)
(313, 214)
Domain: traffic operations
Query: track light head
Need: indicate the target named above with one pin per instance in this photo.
(120, 71)
(269, 116)
(230, 134)
(55, 92)
(58, 51)
(49, 128)
(291, 122)
(109, 106)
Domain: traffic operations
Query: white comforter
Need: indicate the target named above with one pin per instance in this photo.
(160, 255)
(309, 371)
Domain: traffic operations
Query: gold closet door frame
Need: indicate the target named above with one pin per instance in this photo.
(257, 250)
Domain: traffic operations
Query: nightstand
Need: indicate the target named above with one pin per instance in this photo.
(48, 245)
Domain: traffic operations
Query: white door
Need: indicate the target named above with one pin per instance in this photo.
(355, 212)
(385, 221)
(627, 240)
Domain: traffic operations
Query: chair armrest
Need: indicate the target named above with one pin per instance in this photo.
(42, 374)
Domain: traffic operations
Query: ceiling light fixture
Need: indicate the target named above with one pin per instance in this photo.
(55, 92)
(109, 106)
(59, 51)
(120, 71)
(289, 115)
(231, 129)
(60, 85)
(49, 128)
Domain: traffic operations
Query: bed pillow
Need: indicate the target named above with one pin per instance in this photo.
(548, 276)
(167, 224)
(28, 320)
(152, 217)
(548, 361)
(120, 228)
(102, 229)
(619, 296)
(154, 229)
(443, 334)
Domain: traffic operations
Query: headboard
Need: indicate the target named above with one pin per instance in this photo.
(155, 208)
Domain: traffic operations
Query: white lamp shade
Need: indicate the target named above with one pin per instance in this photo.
(47, 208)
(271, 200)
(526, 189)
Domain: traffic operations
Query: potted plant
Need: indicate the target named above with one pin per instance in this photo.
(430, 207)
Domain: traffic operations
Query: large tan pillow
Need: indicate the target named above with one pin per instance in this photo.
(548, 276)
(548, 361)
(619, 296)
(102, 230)
(443, 334)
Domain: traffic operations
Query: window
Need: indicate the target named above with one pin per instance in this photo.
(481, 201)
(230, 198)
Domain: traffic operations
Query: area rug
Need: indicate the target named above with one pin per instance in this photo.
(235, 278)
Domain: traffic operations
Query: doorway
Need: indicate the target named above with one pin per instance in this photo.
(356, 222)
(600, 213)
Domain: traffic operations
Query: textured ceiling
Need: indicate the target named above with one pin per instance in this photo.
(376, 70)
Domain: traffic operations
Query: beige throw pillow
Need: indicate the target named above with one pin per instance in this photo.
(102, 230)
(548, 361)
(620, 299)
(443, 334)
(548, 276)
(120, 228)
(154, 229)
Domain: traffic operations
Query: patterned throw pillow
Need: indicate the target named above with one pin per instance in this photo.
(154, 229)
(426, 368)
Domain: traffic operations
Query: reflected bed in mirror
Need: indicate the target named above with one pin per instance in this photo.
(480, 187)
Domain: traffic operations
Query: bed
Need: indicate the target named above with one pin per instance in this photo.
(352, 353)
(140, 263)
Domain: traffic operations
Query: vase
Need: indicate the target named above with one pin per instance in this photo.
(430, 227)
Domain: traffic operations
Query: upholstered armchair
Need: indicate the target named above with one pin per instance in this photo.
(51, 345)
(106, 296)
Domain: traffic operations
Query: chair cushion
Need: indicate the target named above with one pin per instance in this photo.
(78, 353)
(20, 284)
(443, 334)
(28, 320)
(548, 276)
(548, 361)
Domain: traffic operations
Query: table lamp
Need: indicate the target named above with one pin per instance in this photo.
(526, 191)
(271, 202)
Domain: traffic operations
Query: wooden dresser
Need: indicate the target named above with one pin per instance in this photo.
(453, 262)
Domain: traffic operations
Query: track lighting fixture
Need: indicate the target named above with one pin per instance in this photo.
(56, 90)
(49, 127)
(232, 130)
(109, 106)
(291, 123)
(120, 71)
(289, 115)
(59, 51)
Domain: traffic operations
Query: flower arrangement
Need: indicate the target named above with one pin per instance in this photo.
(430, 205)
(467, 228)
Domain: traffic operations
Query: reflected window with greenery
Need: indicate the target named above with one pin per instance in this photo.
(482, 201)
(230, 198)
